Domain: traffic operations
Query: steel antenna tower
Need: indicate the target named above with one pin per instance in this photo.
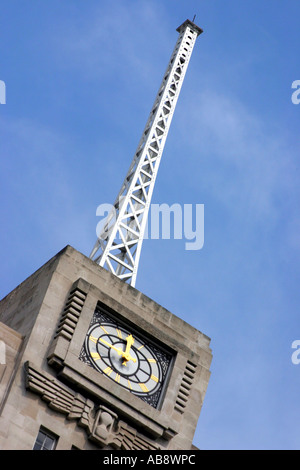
(119, 243)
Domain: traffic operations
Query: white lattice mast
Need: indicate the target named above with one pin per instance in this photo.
(118, 246)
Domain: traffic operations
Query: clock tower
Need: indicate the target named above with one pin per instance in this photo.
(92, 363)
(89, 362)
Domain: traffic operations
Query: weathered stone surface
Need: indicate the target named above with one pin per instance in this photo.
(44, 321)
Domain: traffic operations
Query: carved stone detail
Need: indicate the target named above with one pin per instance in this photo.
(185, 387)
(102, 425)
(71, 313)
(67, 323)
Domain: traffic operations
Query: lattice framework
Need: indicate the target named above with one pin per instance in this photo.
(119, 244)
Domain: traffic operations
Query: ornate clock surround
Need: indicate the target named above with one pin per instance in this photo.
(149, 365)
(182, 381)
(66, 348)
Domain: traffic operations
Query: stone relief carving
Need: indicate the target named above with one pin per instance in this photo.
(102, 425)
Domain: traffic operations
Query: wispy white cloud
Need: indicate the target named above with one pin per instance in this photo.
(104, 45)
(43, 205)
(248, 164)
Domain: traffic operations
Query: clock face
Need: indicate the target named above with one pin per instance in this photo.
(124, 356)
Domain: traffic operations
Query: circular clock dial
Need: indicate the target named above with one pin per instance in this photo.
(124, 358)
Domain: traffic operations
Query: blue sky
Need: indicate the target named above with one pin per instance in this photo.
(80, 79)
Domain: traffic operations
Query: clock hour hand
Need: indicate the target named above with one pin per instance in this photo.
(126, 355)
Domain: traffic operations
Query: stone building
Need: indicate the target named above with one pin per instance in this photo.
(89, 362)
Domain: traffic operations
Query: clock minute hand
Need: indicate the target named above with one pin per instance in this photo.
(119, 351)
(126, 355)
(130, 341)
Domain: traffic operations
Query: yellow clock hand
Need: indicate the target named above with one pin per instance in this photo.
(119, 351)
(126, 355)
(130, 341)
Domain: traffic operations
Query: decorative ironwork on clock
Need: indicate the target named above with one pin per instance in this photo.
(123, 355)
